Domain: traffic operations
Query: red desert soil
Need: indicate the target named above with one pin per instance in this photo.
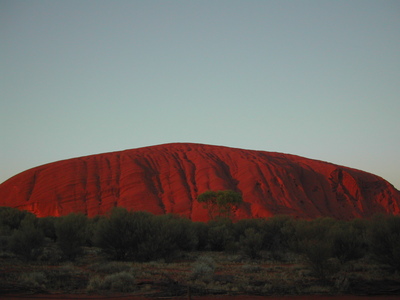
(168, 178)
(243, 297)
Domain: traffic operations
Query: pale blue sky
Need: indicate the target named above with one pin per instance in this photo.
(320, 79)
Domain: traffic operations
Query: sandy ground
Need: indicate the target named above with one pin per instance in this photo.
(242, 297)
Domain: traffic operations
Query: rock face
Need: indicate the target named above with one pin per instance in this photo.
(168, 178)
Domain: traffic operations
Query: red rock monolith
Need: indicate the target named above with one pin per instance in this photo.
(168, 178)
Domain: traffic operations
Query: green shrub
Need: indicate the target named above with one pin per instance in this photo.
(251, 268)
(220, 235)
(118, 282)
(120, 234)
(47, 226)
(7, 255)
(318, 254)
(220, 204)
(91, 228)
(95, 284)
(110, 267)
(299, 231)
(143, 237)
(159, 240)
(165, 237)
(36, 280)
(275, 233)
(240, 227)
(66, 278)
(347, 241)
(4, 241)
(200, 230)
(71, 234)
(183, 231)
(384, 240)
(251, 243)
(11, 219)
(51, 254)
(27, 241)
(203, 268)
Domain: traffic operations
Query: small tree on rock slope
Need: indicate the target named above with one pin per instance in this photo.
(220, 204)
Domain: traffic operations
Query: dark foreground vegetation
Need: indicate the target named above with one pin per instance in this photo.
(143, 254)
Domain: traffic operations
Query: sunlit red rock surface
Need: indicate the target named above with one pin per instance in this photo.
(167, 179)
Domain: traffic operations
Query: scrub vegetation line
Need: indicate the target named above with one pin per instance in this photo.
(140, 254)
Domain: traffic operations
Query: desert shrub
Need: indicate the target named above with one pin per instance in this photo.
(208, 260)
(117, 282)
(120, 282)
(11, 219)
(160, 240)
(251, 268)
(7, 254)
(184, 231)
(318, 254)
(110, 267)
(168, 235)
(348, 241)
(119, 232)
(27, 241)
(242, 225)
(313, 240)
(36, 280)
(200, 230)
(384, 240)
(51, 254)
(203, 268)
(91, 227)
(71, 234)
(142, 236)
(65, 277)
(251, 243)
(220, 204)
(95, 284)
(291, 236)
(4, 241)
(47, 226)
(164, 237)
(303, 230)
(275, 235)
(220, 235)
(317, 228)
